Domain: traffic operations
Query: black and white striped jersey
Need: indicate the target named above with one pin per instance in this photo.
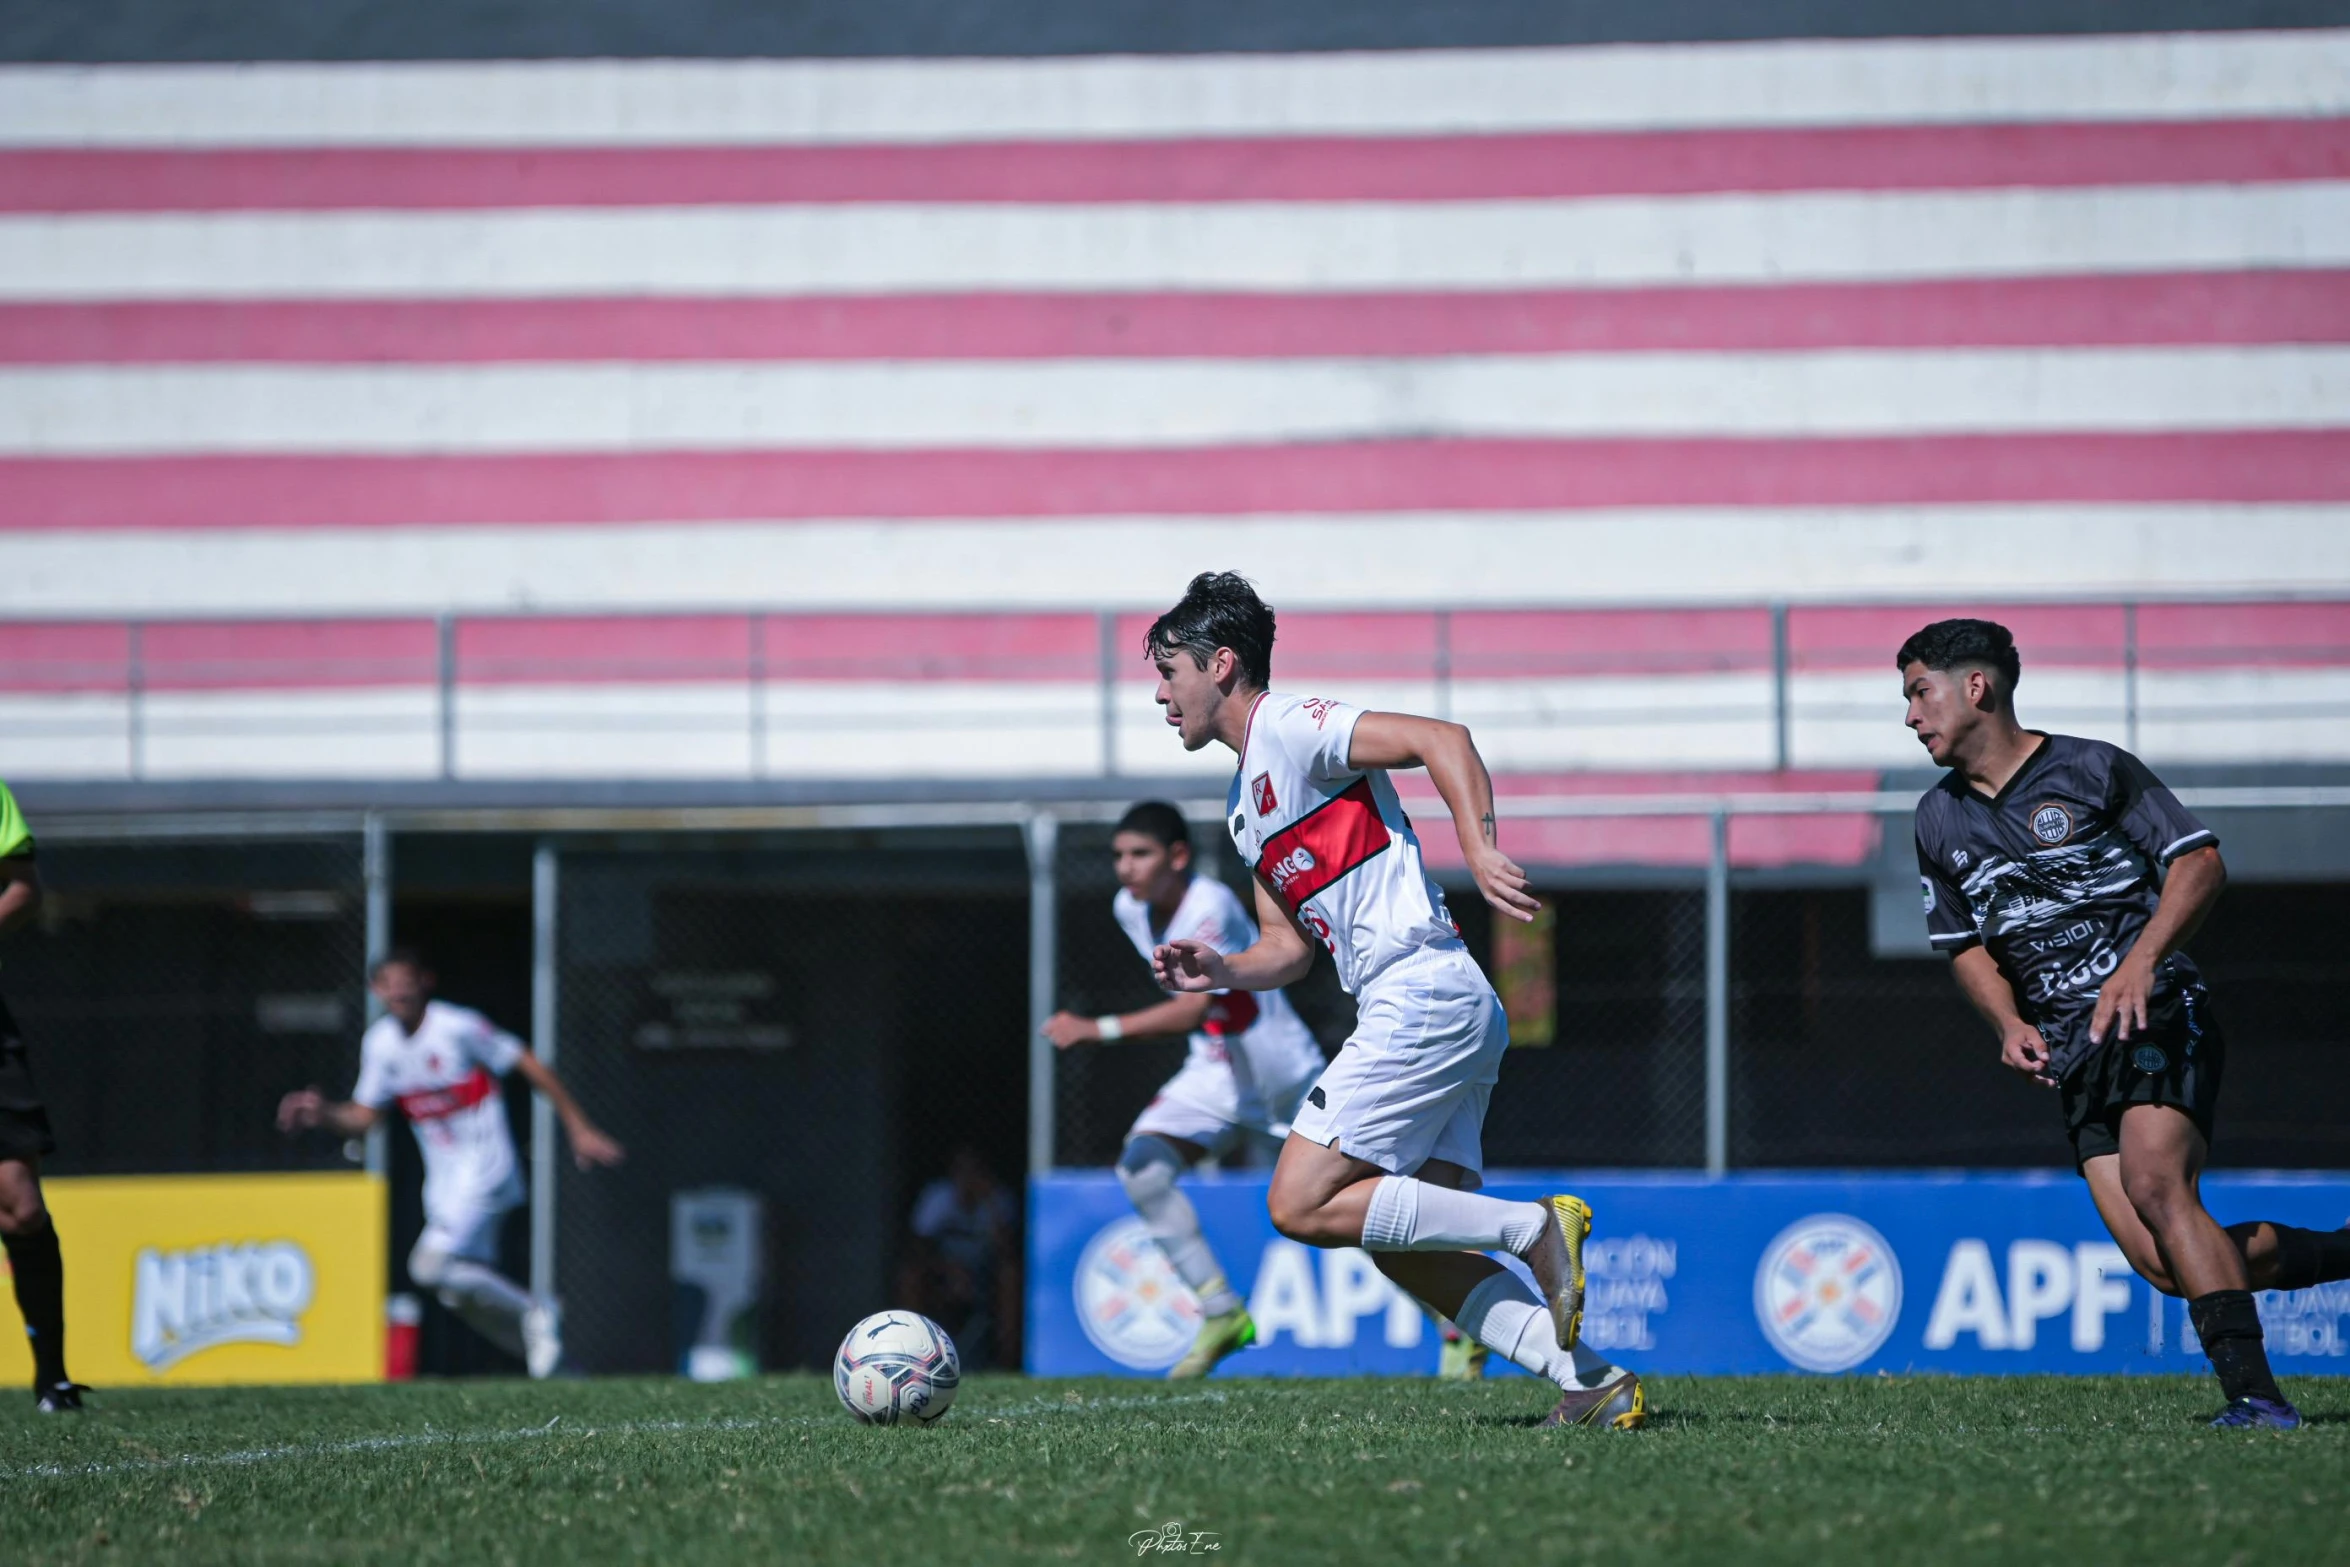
(2058, 873)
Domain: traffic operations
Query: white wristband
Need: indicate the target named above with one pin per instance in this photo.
(1108, 1026)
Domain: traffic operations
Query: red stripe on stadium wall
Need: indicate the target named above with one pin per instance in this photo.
(1867, 637)
(2162, 308)
(652, 648)
(65, 656)
(1497, 644)
(1268, 168)
(1756, 842)
(2088, 636)
(1314, 851)
(2232, 636)
(1306, 478)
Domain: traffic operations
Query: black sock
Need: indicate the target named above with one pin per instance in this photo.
(2229, 1326)
(40, 1294)
(2306, 1257)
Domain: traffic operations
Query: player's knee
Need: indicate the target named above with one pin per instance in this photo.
(1147, 1169)
(2161, 1197)
(428, 1264)
(23, 1215)
(1299, 1218)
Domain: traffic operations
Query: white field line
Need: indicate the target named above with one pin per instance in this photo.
(297, 1451)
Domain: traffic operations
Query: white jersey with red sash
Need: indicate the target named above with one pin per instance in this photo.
(1332, 838)
(444, 1077)
(1255, 1041)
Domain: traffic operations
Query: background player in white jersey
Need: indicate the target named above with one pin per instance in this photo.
(1251, 1060)
(1387, 1149)
(441, 1064)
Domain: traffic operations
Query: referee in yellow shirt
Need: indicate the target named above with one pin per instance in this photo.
(25, 1230)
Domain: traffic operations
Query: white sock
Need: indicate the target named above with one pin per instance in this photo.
(1148, 1170)
(1504, 1315)
(490, 1303)
(1409, 1215)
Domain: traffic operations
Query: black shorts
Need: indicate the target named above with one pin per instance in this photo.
(24, 1122)
(2176, 1060)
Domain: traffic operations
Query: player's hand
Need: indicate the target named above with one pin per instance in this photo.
(301, 1110)
(1503, 884)
(2122, 1002)
(2023, 1050)
(1190, 966)
(590, 1147)
(1067, 1028)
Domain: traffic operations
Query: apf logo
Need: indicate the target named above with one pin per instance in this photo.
(1290, 867)
(1131, 1302)
(185, 1302)
(1827, 1292)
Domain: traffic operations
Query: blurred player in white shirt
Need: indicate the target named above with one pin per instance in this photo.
(1387, 1150)
(1251, 1061)
(441, 1065)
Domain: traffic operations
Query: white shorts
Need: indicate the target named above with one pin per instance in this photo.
(1412, 1083)
(1198, 1105)
(468, 1225)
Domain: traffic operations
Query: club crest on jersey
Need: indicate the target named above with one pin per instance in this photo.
(1260, 790)
(2052, 824)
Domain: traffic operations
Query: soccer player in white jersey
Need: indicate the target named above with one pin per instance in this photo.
(1386, 1153)
(441, 1064)
(1251, 1060)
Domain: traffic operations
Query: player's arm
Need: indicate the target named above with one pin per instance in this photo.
(1392, 740)
(2190, 889)
(305, 1108)
(1175, 1015)
(20, 891)
(589, 1146)
(1282, 954)
(2021, 1048)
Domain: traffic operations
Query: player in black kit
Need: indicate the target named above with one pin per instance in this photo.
(2063, 879)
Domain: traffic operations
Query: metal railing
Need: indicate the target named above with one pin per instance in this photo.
(1438, 653)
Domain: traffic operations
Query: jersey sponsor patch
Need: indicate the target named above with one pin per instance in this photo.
(1319, 848)
(2052, 824)
(433, 1104)
(1926, 883)
(1320, 707)
(1260, 790)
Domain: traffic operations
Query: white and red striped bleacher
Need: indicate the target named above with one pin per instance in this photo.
(835, 419)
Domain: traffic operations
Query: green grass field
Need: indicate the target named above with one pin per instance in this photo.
(1878, 1471)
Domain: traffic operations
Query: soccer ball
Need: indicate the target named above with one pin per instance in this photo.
(897, 1366)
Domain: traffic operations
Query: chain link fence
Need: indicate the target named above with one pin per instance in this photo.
(171, 990)
(823, 1021)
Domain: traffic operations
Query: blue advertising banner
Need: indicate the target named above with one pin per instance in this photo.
(1828, 1273)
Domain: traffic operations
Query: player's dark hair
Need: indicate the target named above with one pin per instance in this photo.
(1946, 644)
(1219, 609)
(1157, 820)
(405, 957)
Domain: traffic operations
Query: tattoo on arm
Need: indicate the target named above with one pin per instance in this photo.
(1491, 834)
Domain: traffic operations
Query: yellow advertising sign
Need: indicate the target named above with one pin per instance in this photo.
(207, 1279)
